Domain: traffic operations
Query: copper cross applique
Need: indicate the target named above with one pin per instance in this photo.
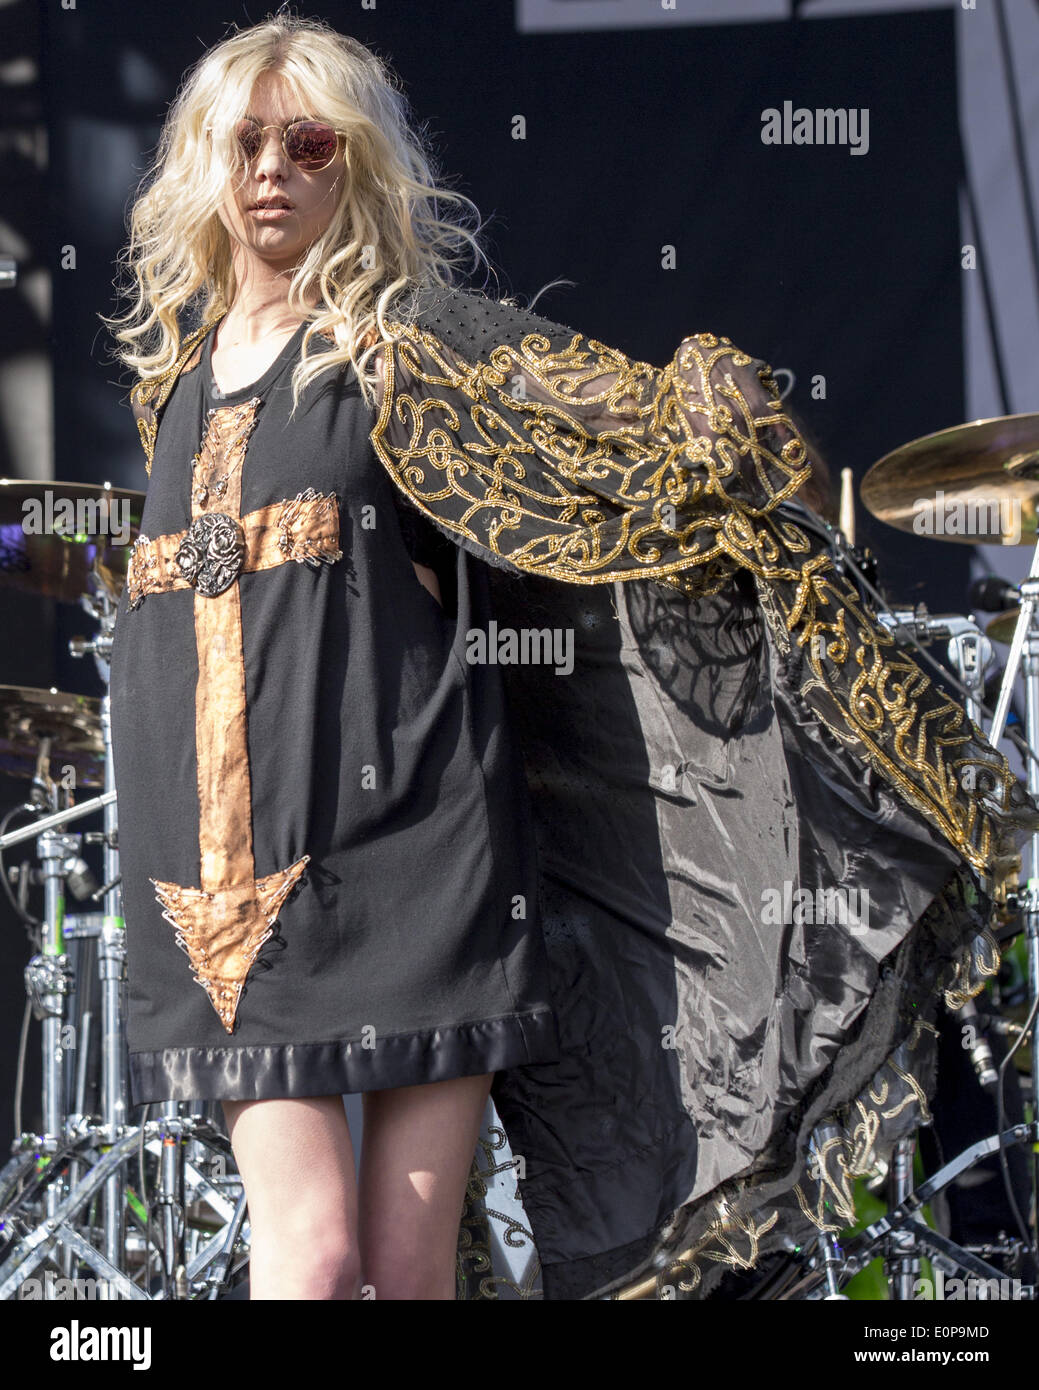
(222, 924)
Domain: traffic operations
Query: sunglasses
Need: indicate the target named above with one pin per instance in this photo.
(311, 145)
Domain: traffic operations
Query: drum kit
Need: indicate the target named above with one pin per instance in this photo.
(103, 1208)
(148, 1207)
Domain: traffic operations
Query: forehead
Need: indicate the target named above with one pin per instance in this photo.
(273, 98)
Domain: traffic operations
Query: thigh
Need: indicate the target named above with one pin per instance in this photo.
(417, 1152)
(296, 1160)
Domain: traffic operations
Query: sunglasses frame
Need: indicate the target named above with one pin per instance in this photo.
(284, 129)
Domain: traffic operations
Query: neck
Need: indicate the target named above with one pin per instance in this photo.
(260, 308)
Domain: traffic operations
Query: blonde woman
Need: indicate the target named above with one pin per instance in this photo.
(306, 731)
(329, 717)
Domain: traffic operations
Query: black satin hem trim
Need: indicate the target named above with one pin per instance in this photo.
(343, 1068)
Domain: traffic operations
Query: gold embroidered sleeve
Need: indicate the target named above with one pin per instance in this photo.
(568, 460)
(563, 458)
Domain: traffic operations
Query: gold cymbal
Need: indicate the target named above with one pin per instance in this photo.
(53, 536)
(1001, 628)
(72, 722)
(976, 483)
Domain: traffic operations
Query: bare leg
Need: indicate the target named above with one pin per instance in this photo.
(419, 1143)
(296, 1160)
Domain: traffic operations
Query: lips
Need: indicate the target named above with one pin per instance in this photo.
(267, 204)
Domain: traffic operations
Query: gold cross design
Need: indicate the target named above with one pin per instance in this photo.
(223, 924)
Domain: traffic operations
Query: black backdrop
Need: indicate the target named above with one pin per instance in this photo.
(823, 262)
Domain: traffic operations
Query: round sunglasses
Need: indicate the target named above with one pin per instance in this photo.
(311, 145)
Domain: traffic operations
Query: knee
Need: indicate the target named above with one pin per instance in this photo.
(333, 1273)
(308, 1258)
(316, 1270)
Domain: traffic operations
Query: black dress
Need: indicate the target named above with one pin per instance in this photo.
(381, 929)
(734, 726)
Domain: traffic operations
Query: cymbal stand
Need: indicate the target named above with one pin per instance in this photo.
(903, 1258)
(112, 942)
(48, 981)
(79, 1161)
(1024, 654)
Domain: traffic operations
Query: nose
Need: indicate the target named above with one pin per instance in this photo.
(271, 161)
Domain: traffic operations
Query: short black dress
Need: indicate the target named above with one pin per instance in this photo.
(330, 879)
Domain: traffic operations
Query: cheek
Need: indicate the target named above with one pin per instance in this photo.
(326, 195)
(229, 212)
(320, 209)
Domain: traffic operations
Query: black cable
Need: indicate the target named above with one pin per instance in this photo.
(1001, 1126)
(19, 1076)
(27, 919)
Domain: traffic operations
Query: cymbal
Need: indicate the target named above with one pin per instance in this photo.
(73, 722)
(53, 536)
(976, 483)
(1001, 627)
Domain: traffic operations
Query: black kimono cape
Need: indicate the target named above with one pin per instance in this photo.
(737, 740)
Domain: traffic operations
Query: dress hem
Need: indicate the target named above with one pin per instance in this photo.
(347, 1067)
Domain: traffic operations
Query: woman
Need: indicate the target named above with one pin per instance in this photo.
(353, 698)
(327, 717)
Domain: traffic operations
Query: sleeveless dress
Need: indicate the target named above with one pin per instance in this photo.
(329, 873)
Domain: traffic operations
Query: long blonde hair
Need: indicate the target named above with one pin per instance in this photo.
(388, 233)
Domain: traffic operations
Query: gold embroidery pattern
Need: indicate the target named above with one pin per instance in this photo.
(571, 461)
(477, 1275)
(576, 463)
(882, 705)
(639, 470)
(978, 962)
(148, 396)
(734, 1236)
(732, 1239)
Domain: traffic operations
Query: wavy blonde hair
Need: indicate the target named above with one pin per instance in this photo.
(388, 233)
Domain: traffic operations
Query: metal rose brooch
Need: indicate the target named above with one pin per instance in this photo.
(212, 553)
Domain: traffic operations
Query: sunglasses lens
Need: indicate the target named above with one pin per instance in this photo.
(311, 145)
(249, 138)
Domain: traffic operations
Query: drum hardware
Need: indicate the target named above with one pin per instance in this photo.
(916, 1239)
(831, 1257)
(1024, 651)
(992, 461)
(981, 1058)
(188, 1267)
(902, 1261)
(68, 1200)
